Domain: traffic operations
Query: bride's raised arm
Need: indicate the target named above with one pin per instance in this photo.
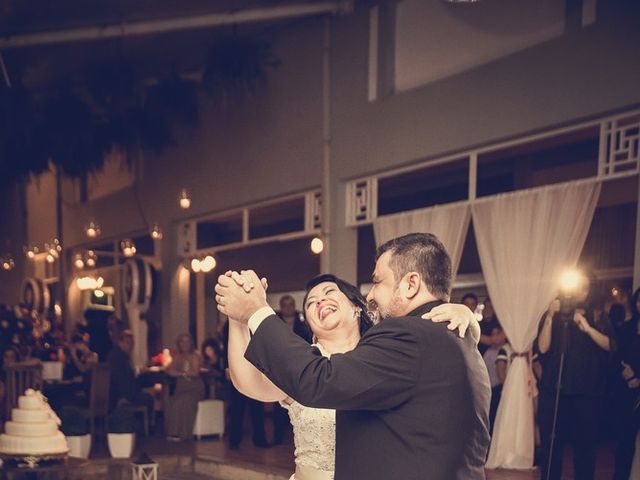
(245, 377)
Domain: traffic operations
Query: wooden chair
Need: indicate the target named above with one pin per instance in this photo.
(21, 377)
(99, 397)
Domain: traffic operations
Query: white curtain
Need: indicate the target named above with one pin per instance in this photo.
(525, 241)
(449, 223)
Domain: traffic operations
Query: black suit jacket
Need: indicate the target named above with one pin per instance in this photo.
(412, 398)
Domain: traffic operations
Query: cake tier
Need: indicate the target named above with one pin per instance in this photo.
(44, 429)
(50, 445)
(29, 416)
(29, 402)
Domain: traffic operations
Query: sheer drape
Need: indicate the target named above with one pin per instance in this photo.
(448, 223)
(525, 240)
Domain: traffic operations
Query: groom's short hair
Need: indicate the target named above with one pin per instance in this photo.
(422, 253)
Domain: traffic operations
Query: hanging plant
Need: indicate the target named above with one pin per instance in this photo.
(77, 126)
(236, 66)
(20, 129)
(71, 135)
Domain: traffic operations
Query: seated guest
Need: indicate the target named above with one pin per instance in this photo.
(182, 402)
(81, 358)
(10, 356)
(124, 387)
(78, 367)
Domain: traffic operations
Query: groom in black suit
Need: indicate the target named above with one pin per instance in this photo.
(412, 398)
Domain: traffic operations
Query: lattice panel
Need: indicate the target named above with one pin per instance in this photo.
(619, 146)
(313, 217)
(362, 201)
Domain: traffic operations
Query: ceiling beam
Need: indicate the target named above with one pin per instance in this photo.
(148, 27)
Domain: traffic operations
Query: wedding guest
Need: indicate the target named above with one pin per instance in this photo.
(124, 387)
(625, 318)
(470, 300)
(488, 323)
(579, 340)
(182, 403)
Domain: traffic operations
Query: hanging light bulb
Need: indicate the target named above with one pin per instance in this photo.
(92, 229)
(184, 199)
(91, 259)
(317, 245)
(156, 232)
(7, 264)
(128, 247)
(31, 251)
(207, 264)
(78, 262)
(50, 258)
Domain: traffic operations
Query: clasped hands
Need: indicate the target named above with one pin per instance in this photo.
(240, 295)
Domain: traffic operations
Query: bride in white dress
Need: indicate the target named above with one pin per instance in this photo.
(337, 314)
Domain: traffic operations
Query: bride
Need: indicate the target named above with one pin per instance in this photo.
(337, 314)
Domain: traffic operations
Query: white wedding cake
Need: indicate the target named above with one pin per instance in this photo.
(34, 428)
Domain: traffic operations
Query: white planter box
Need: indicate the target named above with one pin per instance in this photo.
(121, 444)
(79, 445)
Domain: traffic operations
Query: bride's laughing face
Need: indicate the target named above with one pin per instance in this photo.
(328, 310)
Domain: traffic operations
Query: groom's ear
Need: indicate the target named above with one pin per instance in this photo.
(411, 285)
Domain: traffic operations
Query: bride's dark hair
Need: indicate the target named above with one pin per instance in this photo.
(350, 291)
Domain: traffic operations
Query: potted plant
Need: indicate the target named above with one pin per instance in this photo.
(121, 433)
(76, 429)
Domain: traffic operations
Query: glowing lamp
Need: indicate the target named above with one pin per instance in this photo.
(317, 245)
(184, 199)
(570, 281)
(196, 265)
(207, 264)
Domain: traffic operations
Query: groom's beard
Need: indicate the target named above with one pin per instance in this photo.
(393, 308)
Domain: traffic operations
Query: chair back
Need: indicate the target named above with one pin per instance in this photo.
(99, 391)
(20, 378)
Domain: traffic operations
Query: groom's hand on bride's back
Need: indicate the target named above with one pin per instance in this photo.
(240, 301)
(459, 317)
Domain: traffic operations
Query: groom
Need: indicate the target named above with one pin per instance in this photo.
(412, 398)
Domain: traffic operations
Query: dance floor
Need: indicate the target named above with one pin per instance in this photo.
(278, 460)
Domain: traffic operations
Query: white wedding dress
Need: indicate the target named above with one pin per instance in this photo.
(314, 436)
